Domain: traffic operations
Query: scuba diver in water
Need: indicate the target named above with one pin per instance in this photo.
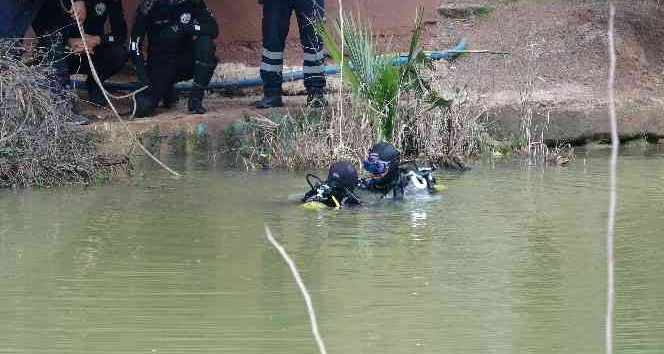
(382, 164)
(336, 191)
(387, 175)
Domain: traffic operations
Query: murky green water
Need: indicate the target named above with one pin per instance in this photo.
(509, 260)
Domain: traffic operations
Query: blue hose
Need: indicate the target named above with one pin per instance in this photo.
(287, 77)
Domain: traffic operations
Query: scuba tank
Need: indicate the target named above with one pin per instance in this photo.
(420, 178)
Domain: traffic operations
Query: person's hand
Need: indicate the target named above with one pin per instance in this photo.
(92, 41)
(77, 45)
(78, 8)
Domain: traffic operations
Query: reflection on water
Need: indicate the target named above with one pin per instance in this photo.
(508, 260)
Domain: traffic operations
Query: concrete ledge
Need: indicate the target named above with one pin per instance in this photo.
(179, 137)
(177, 132)
(579, 124)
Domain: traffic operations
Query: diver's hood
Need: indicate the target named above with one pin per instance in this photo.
(342, 176)
(387, 152)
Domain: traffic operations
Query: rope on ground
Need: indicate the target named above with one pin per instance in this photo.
(93, 70)
(615, 146)
(303, 289)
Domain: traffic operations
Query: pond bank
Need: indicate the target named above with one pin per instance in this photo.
(578, 123)
(575, 123)
(553, 85)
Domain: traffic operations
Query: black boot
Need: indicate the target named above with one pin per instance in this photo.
(95, 95)
(196, 100)
(170, 98)
(204, 64)
(270, 101)
(316, 99)
(145, 104)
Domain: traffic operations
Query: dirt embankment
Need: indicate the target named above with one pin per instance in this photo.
(558, 67)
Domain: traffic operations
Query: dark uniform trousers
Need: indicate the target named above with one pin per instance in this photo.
(51, 53)
(175, 55)
(276, 23)
(108, 58)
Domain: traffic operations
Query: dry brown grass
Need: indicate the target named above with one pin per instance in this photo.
(305, 139)
(38, 147)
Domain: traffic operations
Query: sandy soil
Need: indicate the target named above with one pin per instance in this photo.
(560, 50)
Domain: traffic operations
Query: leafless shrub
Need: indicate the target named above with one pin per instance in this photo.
(38, 145)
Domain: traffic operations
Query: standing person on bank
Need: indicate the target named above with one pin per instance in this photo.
(109, 52)
(276, 23)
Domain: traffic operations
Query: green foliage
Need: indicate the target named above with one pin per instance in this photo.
(484, 11)
(374, 76)
(101, 177)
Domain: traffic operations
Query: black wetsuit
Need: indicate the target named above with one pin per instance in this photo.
(384, 187)
(111, 54)
(392, 183)
(181, 37)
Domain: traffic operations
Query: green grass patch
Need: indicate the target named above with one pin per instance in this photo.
(484, 11)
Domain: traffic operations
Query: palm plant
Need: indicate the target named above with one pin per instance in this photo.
(374, 76)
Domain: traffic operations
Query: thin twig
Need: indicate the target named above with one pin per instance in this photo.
(341, 72)
(303, 289)
(93, 70)
(610, 307)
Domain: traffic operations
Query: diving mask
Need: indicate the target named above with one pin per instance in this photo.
(374, 165)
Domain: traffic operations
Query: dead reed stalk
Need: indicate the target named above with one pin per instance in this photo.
(613, 188)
